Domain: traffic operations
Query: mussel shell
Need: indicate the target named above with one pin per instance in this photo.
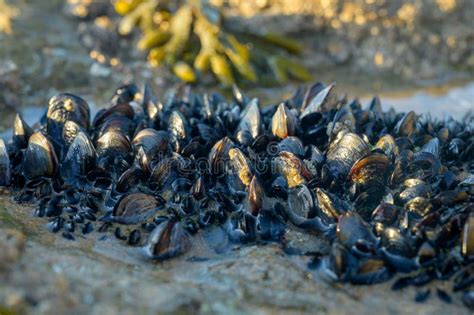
(353, 231)
(218, 156)
(433, 147)
(125, 94)
(134, 208)
(167, 171)
(330, 205)
(21, 132)
(301, 201)
(388, 145)
(70, 131)
(5, 167)
(39, 158)
(80, 158)
(316, 103)
(123, 110)
(406, 126)
(418, 190)
(284, 123)
(167, 240)
(129, 180)
(255, 196)
(386, 213)
(178, 125)
(394, 242)
(371, 169)
(250, 119)
(64, 107)
(240, 166)
(154, 144)
(117, 123)
(420, 205)
(112, 146)
(467, 245)
(293, 145)
(291, 168)
(344, 152)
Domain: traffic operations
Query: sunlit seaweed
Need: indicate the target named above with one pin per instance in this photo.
(192, 40)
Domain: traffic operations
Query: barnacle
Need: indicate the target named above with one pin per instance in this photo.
(191, 39)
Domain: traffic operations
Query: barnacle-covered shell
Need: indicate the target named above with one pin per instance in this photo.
(64, 107)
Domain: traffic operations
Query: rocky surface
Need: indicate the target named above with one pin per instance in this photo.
(96, 276)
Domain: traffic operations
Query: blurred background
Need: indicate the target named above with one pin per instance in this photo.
(416, 54)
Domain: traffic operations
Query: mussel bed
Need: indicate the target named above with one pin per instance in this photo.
(392, 192)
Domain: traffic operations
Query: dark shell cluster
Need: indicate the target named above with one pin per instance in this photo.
(392, 192)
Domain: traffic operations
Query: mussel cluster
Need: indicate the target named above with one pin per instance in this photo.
(392, 192)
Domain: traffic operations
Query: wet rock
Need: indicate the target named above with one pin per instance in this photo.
(298, 243)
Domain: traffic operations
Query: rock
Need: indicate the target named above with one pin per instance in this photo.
(12, 244)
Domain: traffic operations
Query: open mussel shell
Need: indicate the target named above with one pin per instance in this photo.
(80, 158)
(284, 122)
(39, 158)
(5, 168)
(167, 240)
(21, 132)
(134, 208)
(370, 170)
(344, 152)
